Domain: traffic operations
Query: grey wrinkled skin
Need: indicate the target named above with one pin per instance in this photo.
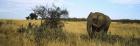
(97, 22)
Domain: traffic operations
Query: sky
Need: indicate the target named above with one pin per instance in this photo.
(115, 9)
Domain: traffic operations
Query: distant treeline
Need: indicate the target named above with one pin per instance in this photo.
(118, 20)
(126, 21)
(73, 19)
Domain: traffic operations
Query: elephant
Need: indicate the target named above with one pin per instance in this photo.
(97, 22)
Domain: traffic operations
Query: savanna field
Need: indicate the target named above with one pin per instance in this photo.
(73, 34)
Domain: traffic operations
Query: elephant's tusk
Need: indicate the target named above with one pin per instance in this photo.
(95, 25)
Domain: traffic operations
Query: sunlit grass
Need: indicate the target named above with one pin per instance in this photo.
(119, 34)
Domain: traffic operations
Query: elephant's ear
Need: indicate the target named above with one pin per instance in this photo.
(101, 20)
(90, 13)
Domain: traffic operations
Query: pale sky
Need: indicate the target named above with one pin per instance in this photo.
(115, 9)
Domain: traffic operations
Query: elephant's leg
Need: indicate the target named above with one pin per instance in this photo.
(102, 31)
(106, 28)
(90, 32)
(94, 31)
(89, 29)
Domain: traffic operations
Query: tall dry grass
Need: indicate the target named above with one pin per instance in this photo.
(75, 34)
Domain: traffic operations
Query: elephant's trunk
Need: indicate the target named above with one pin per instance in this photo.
(95, 28)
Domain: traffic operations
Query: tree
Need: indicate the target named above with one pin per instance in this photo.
(51, 15)
(32, 16)
(27, 18)
(55, 15)
(41, 11)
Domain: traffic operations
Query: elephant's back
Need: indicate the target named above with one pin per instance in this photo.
(98, 18)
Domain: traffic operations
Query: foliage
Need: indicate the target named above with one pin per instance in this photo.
(51, 15)
(32, 16)
(41, 33)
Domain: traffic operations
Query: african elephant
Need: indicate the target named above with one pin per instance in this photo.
(97, 22)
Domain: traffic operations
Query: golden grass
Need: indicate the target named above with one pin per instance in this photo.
(76, 30)
(125, 29)
(115, 28)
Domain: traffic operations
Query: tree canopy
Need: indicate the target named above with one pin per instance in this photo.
(51, 15)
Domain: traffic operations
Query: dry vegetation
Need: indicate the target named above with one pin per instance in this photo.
(76, 35)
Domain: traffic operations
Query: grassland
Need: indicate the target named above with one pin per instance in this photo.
(118, 35)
